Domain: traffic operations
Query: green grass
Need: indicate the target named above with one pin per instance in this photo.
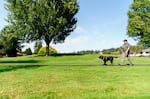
(66, 60)
(72, 82)
(53, 60)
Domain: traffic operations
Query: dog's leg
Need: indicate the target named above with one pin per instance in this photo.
(105, 62)
(111, 61)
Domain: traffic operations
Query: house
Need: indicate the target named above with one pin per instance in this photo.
(144, 52)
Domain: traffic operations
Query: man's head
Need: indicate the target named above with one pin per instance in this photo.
(125, 41)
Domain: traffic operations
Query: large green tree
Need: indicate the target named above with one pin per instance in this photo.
(48, 20)
(139, 21)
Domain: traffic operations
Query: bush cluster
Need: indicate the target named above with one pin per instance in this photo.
(42, 50)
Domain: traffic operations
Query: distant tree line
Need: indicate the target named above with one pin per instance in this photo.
(133, 49)
(88, 52)
(114, 51)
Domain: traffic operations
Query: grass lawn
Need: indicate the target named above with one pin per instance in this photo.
(66, 60)
(72, 82)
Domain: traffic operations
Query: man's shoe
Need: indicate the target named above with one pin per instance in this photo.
(131, 64)
(119, 64)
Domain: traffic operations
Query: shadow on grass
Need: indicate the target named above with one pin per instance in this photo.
(10, 65)
(12, 68)
(19, 61)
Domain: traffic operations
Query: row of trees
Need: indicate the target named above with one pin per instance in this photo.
(88, 52)
(31, 20)
(133, 49)
(116, 51)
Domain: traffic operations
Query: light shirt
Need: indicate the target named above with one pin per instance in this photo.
(125, 47)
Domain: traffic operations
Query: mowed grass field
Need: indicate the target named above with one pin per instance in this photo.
(73, 77)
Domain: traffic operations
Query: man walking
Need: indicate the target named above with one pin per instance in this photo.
(126, 52)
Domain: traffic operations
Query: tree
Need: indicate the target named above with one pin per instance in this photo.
(37, 46)
(136, 49)
(48, 20)
(10, 41)
(139, 21)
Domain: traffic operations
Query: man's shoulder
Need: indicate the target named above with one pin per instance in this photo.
(129, 44)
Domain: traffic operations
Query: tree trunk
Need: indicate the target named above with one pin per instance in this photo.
(47, 49)
(47, 41)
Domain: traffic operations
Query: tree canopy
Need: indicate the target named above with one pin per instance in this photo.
(10, 41)
(48, 20)
(139, 21)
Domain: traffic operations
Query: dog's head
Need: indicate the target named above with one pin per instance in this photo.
(101, 57)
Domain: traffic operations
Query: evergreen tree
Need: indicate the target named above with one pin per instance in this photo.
(10, 41)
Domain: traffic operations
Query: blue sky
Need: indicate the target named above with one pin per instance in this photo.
(101, 24)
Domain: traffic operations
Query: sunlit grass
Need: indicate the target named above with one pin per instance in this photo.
(73, 82)
(67, 60)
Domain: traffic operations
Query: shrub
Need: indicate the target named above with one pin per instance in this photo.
(28, 51)
(42, 50)
(106, 52)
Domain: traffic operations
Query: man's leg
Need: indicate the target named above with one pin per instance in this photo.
(123, 58)
(129, 59)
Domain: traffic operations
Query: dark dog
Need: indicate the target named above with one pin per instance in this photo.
(107, 58)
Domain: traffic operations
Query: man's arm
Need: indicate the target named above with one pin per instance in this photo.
(127, 50)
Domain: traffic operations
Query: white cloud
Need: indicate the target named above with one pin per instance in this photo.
(77, 40)
(79, 29)
(72, 44)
